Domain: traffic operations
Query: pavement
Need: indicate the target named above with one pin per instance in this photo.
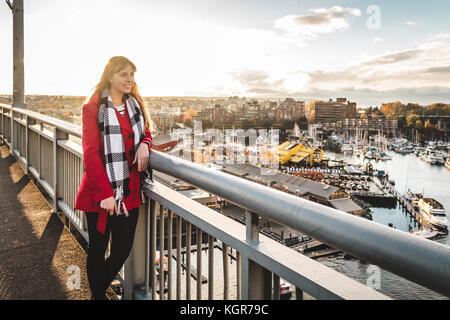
(40, 259)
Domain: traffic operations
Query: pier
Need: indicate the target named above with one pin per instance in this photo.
(415, 214)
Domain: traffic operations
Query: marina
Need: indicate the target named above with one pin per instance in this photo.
(409, 172)
(369, 180)
(389, 172)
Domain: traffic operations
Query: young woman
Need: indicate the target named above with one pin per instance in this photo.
(116, 141)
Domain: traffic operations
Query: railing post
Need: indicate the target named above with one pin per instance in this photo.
(12, 131)
(3, 125)
(256, 280)
(39, 137)
(28, 122)
(137, 264)
(57, 135)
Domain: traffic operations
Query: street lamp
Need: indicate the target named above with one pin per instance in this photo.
(18, 53)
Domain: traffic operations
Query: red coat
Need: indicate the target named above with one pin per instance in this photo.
(95, 185)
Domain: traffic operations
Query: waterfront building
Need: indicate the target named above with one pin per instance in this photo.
(298, 153)
(331, 111)
(311, 190)
(290, 109)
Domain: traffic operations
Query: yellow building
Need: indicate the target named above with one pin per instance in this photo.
(295, 152)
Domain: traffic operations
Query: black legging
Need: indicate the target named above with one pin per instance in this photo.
(102, 272)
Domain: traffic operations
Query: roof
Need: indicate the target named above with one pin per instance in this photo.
(259, 178)
(235, 171)
(346, 205)
(196, 194)
(351, 169)
(319, 189)
(293, 188)
(162, 139)
(170, 181)
(295, 184)
(297, 158)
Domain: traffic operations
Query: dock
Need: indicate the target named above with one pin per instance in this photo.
(322, 253)
(413, 212)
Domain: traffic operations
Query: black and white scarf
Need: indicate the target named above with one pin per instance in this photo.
(115, 156)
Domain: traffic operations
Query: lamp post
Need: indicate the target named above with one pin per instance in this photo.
(18, 53)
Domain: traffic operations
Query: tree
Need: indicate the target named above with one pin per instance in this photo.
(310, 111)
(411, 120)
(419, 125)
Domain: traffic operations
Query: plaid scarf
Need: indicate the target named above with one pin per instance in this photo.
(115, 156)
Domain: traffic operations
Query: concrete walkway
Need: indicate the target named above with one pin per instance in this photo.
(36, 249)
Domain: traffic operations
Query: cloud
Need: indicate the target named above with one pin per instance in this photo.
(319, 21)
(443, 69)
(425, 65)
(411, 23)
(257, 81)
(392, 58)
(439, 36)
(420, 74)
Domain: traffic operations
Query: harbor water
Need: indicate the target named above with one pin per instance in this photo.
(409, 172)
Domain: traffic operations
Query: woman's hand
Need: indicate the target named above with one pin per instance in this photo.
(109, 204)
(142, 156)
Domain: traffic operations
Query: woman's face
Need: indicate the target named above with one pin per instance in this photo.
(123, 80)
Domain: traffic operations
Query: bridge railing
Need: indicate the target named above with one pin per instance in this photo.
(46, 148)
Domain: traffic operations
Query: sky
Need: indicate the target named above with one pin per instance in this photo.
(368, 51)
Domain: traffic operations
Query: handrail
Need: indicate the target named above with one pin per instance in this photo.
(64, 126)
(308, 274)
(419, 260)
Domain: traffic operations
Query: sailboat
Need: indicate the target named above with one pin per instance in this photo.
(296, 131)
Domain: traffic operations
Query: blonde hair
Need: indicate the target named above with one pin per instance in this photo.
(115, 64)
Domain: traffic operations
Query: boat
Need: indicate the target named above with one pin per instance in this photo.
(346, 148)
(440, 159)
(427, 233)
(413, 198)
(430, 158)
(447, 163)
(285, 290)
(404, 150)
(384, 156)
(357, 152)
(433, 212)
(368, 155)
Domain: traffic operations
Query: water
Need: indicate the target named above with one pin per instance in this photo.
(409, 172)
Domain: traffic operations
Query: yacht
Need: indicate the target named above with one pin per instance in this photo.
(384, 156)
(357, 152)
(346, 148)
(413, 198)
(434, 213)
(440, 159)
(404, 150)
(430, 158)
(425, 233)
(369, 155)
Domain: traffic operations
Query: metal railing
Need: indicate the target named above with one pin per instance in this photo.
(169, 220)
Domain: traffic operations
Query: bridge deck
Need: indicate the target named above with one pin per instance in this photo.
(36, 249)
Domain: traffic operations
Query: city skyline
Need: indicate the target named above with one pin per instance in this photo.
(368, 51)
